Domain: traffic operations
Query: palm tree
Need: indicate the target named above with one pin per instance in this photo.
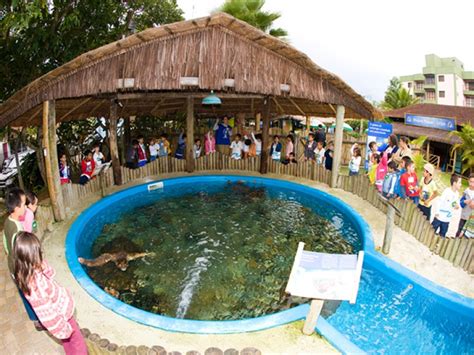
(397, 97)
(466, 146)
(251, 12)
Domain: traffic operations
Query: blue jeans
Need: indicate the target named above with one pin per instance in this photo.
(353, 173)
(443, 227)
(415, 199)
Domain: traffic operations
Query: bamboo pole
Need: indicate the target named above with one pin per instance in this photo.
(114, 153)
(189, 134)
(336, 163)
(51, 160)
(265, 136)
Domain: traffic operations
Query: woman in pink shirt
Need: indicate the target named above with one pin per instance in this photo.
(210, 143)
(28, 220)
(289, 146)
(51, 302)
(381, 171)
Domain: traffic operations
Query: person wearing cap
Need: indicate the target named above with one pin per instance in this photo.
(428, 190)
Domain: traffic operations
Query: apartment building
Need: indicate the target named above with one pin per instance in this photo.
(442, 81)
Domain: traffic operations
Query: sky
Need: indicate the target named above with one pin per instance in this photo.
(367, 42)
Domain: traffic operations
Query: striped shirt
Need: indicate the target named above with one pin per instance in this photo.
(52, 303)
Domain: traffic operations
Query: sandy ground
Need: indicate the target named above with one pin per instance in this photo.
(280, 340)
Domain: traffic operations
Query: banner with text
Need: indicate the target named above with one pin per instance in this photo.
(377, 132)
(444, 123)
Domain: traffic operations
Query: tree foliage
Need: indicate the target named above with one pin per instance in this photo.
(397, 97)
(466, 146)
(38, 36)
(251, 12)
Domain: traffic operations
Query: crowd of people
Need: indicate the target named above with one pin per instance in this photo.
(390, 166)
(392, 170)
(49, 306)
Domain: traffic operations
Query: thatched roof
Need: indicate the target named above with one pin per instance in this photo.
(214, 49)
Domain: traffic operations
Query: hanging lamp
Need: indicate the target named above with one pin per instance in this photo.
(211, 100)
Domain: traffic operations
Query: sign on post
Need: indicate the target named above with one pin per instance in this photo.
(323, 276)
(444, 123)
(377, 132)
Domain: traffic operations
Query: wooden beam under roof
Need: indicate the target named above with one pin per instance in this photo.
(75, 108)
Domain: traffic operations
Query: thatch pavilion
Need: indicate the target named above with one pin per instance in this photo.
(167, 70)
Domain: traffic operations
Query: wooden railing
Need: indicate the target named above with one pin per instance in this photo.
(458, 251)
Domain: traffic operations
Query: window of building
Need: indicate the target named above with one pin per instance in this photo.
(470, 101)
(440, 78)
(409, 85)
(430, 95)
(470, 85)
(441, 94)
(429, 80)
(419, 85)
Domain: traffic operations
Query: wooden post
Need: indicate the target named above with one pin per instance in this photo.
(312, 316)
(428, 151)
(336, 163)
(51, 160)
(17, 161)
(389, 225)
(265, 136)
(258, 116)
(308, 125)
(455, 153)
(189, 134)
(114, 154)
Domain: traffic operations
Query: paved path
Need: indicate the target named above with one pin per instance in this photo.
(18, 335)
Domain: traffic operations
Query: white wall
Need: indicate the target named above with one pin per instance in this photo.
(411, 90)
(461, 101)
(448, 87)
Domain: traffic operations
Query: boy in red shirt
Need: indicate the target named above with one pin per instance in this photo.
(87, 168)
(409, 181)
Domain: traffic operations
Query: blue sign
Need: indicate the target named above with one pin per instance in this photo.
(446, 124)
(378, 132)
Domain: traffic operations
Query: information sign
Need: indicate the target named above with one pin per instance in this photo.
(444, 123)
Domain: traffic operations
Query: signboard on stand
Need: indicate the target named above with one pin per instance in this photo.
(377, 132)
(444, 123)
(323, 276)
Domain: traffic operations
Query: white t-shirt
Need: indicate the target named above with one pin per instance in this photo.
(236, 149)
(354, 164)
(98, 157)
(246, 148)
(319, 155)
(446, 203)
(154, 148)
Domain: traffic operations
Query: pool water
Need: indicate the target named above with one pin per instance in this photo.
(221, 250)
(392, 318)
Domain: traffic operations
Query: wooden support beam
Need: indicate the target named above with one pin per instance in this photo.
(157, 106)
(114, 153)
(297, 107)
(332, 108)
(265, 136)
(278, 105)
(189, 134)
(86, 100)
(336, 162)
(51, 160)
(308, 125)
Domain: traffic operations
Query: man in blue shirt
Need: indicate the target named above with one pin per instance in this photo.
(223, 135)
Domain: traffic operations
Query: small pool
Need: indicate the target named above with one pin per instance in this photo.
(396, 310)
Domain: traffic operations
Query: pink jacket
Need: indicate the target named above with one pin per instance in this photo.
(51, 302)
(381, 171)
(210, 144)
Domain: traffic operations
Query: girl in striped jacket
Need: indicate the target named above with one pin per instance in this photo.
(51, 302)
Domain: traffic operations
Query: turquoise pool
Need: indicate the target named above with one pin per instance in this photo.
(396, 310)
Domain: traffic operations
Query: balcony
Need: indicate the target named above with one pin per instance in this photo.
(469, 92)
